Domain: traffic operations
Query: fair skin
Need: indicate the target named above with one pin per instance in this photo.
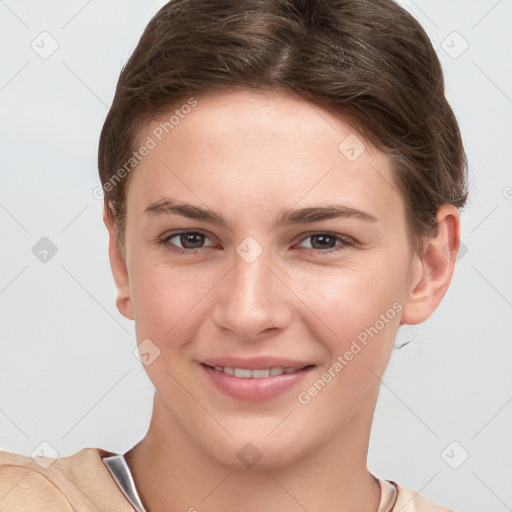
(251, 157)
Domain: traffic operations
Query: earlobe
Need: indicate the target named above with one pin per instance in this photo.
(118, 265)
(432, 272)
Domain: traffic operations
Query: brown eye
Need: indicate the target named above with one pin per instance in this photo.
(322, 241)
(183, 241)
(191, 240)
(327, 242)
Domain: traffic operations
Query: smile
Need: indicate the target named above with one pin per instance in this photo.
(246, 373)
(254, 384)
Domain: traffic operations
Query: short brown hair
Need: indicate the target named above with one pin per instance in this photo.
(367, 60)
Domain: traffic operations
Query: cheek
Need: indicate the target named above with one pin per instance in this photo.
(364, 316)
(166, 299)
(350, 300)
(362, 312)
(167, 305)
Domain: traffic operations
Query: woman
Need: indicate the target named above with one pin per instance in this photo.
(282, 183)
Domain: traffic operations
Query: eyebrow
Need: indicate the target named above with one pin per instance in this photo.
(167, 205)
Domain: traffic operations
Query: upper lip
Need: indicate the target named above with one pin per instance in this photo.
(256, 363)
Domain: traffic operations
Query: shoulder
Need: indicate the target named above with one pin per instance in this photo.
(410, 501)
(79, 481)
(21, 486)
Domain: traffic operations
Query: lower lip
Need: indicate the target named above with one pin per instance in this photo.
(254, 389)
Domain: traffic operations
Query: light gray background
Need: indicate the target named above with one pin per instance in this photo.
(68, 376)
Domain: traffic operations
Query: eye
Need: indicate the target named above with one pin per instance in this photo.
(189, 241)
(326, 242)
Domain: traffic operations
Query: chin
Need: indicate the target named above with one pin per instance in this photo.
(258, 455)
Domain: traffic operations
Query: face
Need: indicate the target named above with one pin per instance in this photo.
(264, 236)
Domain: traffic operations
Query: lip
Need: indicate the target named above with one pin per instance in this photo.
(254, 389)
(256, 363)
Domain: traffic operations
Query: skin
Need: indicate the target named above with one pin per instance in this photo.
(250, 157)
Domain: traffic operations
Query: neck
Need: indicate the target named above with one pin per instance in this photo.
(173, 473)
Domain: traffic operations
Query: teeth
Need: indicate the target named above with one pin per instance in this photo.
(258, 374)
(245, 373)
(241, 372)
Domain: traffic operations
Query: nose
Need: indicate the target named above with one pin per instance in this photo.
(252, 301)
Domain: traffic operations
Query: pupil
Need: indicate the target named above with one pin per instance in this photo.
(324, 238)
(187, 240)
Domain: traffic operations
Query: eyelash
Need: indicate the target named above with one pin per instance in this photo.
(164, 242)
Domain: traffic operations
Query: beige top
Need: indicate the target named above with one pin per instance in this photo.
(82, 482)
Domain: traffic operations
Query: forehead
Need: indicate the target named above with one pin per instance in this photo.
(268, 148)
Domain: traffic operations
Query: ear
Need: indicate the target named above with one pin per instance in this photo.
(431, 273)
(117, 264)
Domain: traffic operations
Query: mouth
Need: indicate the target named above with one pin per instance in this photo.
(262, 373)
(256, 384)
